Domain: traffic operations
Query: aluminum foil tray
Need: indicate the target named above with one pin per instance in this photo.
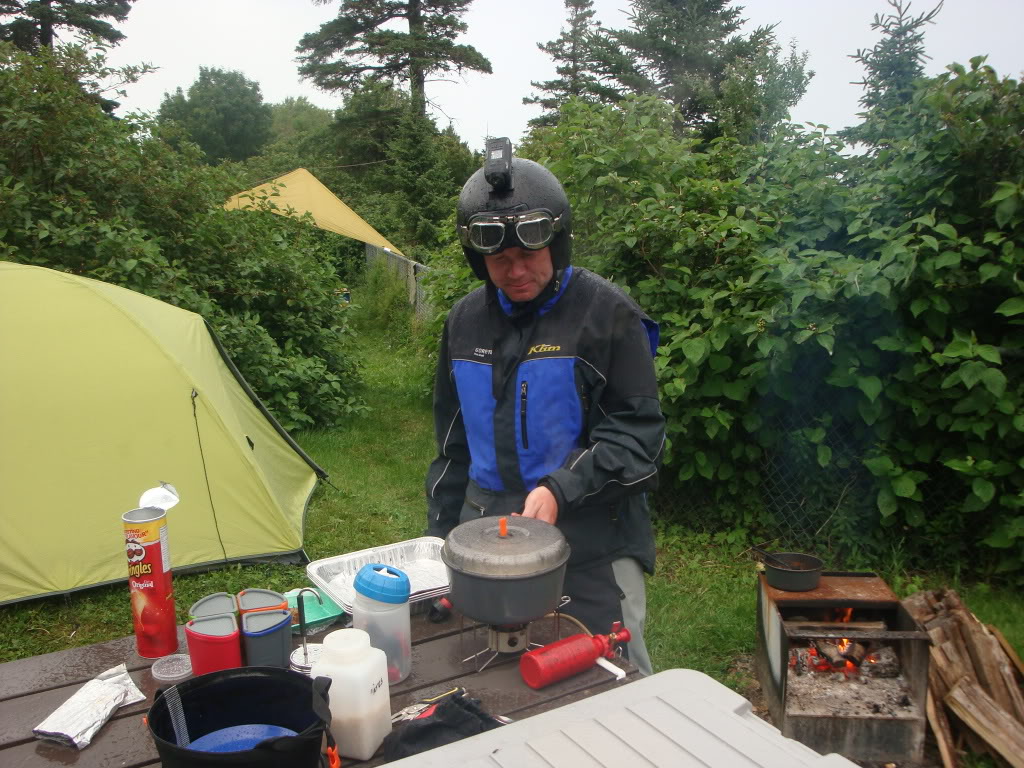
(419, 558)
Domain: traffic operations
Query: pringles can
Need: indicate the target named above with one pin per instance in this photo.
(149, 573)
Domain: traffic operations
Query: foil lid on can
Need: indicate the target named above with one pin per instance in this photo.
(304, 657)
(164, 496)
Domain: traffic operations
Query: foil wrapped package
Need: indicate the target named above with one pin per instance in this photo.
(76, 721)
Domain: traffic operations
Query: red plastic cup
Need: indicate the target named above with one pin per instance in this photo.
(214, 642)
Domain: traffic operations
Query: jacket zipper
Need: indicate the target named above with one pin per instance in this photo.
(522, 414)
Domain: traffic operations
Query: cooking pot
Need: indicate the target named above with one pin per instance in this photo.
(505, 571)
(801, 574)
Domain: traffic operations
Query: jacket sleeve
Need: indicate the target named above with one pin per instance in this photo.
(625, 444)
(448, 473)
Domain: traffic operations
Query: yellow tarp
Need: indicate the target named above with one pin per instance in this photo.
(302, 191)
(106, 392)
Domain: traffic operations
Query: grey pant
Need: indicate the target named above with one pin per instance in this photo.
(630, 578)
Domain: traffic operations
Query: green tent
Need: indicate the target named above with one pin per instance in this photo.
(104, 393)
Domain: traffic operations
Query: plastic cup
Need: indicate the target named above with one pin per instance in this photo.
(268, 638)
(213, 643)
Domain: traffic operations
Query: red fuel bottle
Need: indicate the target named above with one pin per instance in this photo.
(564, 658)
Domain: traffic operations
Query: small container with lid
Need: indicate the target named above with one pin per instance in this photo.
(213, 643)
(268, 638)
(172, 669)
(381, 608)
(261, 600)
(359, 695)
(211, 605)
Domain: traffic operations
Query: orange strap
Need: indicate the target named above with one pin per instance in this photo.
(332, 757)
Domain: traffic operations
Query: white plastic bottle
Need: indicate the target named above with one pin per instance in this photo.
(381, 607)
(359, 696)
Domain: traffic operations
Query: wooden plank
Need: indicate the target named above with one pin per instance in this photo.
(943, 736)
(988, 720)
(1011, 654)
(837, 626)
(984, 651)
(794, 634)
(18, 716)
(123, 742)
(920, 607)
(75, 665)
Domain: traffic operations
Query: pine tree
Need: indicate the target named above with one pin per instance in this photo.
(897, 60)
(36, 22)
(574, 52)
(363, 43)
(689, 52)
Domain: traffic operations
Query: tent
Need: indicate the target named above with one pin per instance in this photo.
(300, 192)
(104, 393)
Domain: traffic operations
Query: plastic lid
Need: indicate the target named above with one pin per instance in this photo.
(384, 583)
(221, 625)
(218, 602)
(250, 599)
(302, 661)
(173, 668)
(264, 622)
(346, 641)
(529, 547)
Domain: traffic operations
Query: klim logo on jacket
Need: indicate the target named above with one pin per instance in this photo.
(536, 349)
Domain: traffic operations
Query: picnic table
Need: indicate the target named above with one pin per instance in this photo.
(30, 689)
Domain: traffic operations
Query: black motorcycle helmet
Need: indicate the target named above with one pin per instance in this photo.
(513, 185)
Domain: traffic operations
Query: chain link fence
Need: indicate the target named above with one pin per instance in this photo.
(409, 272)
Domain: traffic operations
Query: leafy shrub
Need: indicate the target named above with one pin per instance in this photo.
(877, 297)
(111, 200)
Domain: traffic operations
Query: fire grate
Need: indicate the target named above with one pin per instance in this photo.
(844, 668)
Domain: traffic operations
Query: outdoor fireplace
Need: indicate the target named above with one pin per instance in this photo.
(844, 667)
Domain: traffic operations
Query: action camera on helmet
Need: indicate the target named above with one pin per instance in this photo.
(498, 163)
(512, 202)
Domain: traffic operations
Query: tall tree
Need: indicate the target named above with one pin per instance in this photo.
(897, 60)
(223, 113)
(35, 22)
(690, 53)
(297, 116)
(573, 51)
(363, 42)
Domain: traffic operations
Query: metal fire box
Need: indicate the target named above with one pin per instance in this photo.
(876, 736)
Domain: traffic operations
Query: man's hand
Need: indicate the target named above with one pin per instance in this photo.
(541, 504)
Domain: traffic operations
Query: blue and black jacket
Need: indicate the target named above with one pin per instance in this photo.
(563, 395)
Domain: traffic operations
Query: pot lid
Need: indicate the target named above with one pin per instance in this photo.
(528, 548)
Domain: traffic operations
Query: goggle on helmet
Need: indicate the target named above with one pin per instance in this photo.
(487, 233)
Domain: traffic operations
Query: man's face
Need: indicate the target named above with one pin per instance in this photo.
(519, 272)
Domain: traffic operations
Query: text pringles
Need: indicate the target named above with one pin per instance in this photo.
(149, 572)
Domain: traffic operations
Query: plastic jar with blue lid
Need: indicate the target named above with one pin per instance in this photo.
(381, 609)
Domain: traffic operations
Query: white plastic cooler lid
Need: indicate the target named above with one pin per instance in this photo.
(674, 719)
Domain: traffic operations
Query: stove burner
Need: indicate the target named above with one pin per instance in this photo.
(508, 639)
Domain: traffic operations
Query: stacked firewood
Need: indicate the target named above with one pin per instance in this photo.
(974, 681)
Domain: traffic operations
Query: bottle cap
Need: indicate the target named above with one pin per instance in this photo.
(384, 583)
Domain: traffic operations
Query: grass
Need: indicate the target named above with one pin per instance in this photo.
(701, 602)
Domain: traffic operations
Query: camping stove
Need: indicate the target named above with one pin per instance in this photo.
(505, 640)
(844, 667)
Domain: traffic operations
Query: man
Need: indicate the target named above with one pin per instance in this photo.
(545, 400)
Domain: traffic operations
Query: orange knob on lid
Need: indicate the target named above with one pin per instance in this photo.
(503, 527)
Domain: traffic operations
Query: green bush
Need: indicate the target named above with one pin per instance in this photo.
(804, 294)
(111, 200)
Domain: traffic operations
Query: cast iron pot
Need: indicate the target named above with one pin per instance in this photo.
(802, 575)
(508, 579)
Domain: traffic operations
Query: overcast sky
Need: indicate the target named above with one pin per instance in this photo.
(258, 38)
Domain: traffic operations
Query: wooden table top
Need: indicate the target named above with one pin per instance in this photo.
(31, 689)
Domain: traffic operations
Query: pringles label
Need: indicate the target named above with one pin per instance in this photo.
(149, 582)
